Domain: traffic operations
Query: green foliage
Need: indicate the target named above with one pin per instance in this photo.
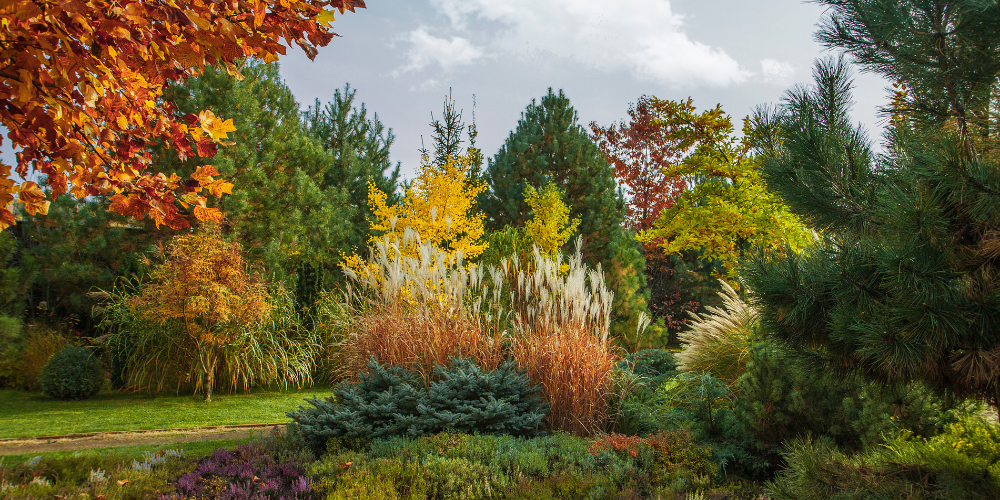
(12, 345)
(359, 147)
(904, 286)
(83, 474)
(635, 404)
(16, 275)
(961, 463)
(289, 210)
(451, 465)
(392, 401)
(72, 373)
(277, 350)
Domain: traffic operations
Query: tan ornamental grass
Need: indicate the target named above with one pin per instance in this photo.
(719, 341)
(420, 311)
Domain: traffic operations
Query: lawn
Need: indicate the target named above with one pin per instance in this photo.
(195, 449)
(24, 414)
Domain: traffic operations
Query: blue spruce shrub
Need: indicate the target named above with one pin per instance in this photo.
(391, 401)
(72, 373)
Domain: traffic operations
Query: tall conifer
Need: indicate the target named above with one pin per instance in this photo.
(905, 283)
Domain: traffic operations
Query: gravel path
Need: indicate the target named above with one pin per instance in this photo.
(41, 444)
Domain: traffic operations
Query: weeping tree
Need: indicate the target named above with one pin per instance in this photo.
(904, 284)
(203, 317)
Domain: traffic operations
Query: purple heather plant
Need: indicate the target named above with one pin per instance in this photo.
(247, 473)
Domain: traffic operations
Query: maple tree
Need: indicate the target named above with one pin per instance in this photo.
(81, 93)
(726, 209)
(203, 287)
(639, 151)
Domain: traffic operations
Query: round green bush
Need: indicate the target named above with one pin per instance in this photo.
(72, 373)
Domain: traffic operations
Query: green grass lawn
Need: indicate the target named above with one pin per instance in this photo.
(196, 449)
(25, 414)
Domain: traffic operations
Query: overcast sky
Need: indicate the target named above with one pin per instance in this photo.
(402, 57)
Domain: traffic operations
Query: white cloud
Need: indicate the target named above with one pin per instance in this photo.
(776, 72)
(428, 49)
(642, 36)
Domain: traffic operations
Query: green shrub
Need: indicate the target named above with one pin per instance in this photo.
(784, 395)
(12, 345)
(963, 462)
(392, 401)
(26, 357)
(72, 373)
(456, 465)
(634, 406)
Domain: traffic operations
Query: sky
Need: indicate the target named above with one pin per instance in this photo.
(403, 57)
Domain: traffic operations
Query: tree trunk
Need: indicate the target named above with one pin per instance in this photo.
(209, 368)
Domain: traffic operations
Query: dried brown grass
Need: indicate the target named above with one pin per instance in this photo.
(552, 318)
(574, 369)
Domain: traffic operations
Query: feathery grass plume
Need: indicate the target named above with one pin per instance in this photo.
(561, 320)
(419, 312)
(719, 341)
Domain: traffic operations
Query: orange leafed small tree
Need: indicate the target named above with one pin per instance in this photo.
(80, 92)
(203, 285)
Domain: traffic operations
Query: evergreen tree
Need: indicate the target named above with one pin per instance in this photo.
(904, 285)
(550, 146)
(447, 138)
(290, 208)
(360, 149)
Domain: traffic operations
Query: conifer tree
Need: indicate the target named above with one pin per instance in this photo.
(905, 285)
(360, 149)
(293, 210)
(549, 145)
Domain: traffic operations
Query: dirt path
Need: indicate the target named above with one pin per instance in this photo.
(68, 442)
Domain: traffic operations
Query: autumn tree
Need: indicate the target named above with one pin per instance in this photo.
(726, 210)
(659, 134)
(550, 226)
(81, 95)
(904, 284)
(203, 289)
(640, 151)
(440, 206)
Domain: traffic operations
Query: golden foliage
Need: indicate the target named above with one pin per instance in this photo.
(203, 285)
(549, 227)
(81, 95)
(440, 207)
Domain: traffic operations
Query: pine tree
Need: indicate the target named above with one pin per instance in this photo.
(904, 285)
(292, 208)
(549, 145)
(360, 148)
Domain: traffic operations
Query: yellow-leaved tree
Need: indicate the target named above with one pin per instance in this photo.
(205, 293)
(550, 226)
(440, 206)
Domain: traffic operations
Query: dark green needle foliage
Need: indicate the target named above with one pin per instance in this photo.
(904, 285)
(392, 401)
(549, 145)
(72, 373)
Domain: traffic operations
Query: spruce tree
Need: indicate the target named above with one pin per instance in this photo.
(904, 284)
